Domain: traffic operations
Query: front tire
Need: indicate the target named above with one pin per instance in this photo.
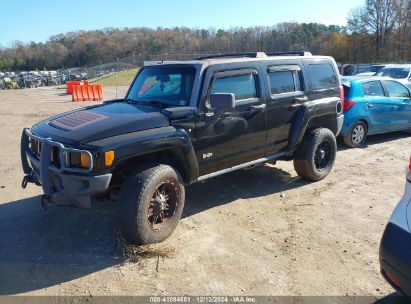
(315, 156)
(150, 204)
(357, 135)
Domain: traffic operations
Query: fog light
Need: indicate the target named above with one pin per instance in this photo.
(108, 158)
(84, 160)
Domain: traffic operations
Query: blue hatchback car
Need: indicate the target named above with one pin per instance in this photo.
(374, 105)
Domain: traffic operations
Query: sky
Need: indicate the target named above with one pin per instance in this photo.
(37, 20)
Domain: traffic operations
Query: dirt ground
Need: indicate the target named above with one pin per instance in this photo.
(257, 232)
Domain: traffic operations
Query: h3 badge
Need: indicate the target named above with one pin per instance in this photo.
(207, 155)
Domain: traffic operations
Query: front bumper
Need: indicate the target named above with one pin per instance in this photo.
(395, 258)
(61, 184)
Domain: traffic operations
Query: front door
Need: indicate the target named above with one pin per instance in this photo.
(400, 99)
(226, 138)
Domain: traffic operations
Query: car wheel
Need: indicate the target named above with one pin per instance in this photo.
(315, 156)
(150, 204)
(357, 135)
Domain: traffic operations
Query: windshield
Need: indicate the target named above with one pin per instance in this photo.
(396, 73)
(170, 86)
(376, 68)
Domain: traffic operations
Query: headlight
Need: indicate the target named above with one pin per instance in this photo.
(79, 160)
(84, 160)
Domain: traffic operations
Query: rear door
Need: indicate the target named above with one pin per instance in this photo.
(286, 95)
(400, 99)
(378, 105)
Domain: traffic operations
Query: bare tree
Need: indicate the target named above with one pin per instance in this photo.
(379, 18)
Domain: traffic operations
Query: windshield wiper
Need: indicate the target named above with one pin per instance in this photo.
(155, 102)
(130, 100)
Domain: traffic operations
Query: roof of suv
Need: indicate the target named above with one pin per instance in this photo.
(221, 59)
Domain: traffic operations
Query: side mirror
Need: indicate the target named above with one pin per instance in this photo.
(222, 100)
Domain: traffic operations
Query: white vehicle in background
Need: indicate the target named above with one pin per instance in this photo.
(399, 72)
(372, 71)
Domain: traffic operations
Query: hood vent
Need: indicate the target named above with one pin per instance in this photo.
(75, 120)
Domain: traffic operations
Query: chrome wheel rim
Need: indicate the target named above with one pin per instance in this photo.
(358, 134)
(162, 206)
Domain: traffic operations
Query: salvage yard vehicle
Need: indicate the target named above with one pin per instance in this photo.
(374, 105)
(395, 246)
(186, 121)
(10, 84)
(399, 72)
(372, 70)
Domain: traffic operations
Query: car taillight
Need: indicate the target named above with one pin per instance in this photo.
(341, 93)
(409, 166)
(348, 104)
(392, 280)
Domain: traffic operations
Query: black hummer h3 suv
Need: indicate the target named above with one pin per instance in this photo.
(183, 122)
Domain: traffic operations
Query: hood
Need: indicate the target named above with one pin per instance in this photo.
(106, 120)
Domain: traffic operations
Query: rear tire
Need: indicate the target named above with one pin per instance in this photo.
(315, 156)
(150, 204)
(357, 135)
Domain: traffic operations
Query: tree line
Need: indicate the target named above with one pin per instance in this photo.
(378, 31)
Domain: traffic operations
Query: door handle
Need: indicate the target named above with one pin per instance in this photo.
(259, 107)
(300, 99)
(369, 106)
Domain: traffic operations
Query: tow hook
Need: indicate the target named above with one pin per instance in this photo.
(44, 201)
(29, 178)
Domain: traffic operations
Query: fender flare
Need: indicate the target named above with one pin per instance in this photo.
(306, 113)
(145, 142)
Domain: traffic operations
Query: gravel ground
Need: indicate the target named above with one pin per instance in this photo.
(257, 232)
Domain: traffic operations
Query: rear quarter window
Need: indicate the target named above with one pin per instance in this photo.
(322, 76)
(373, 89)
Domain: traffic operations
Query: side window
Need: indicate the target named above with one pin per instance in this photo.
(322, 76)
(284, 81)
(372, 88)
(243, 86)
(396, 89)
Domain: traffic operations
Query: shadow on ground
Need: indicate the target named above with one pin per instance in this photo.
(257, 182)
(394, 298)
(39, 249)
(375, 139)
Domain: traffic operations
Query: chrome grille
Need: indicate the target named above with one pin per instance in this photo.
(35, 147)
(60, 156)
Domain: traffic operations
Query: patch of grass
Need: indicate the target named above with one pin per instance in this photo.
(123, 78)
(137, 254)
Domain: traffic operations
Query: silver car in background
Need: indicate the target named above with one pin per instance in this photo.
(399, 72)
